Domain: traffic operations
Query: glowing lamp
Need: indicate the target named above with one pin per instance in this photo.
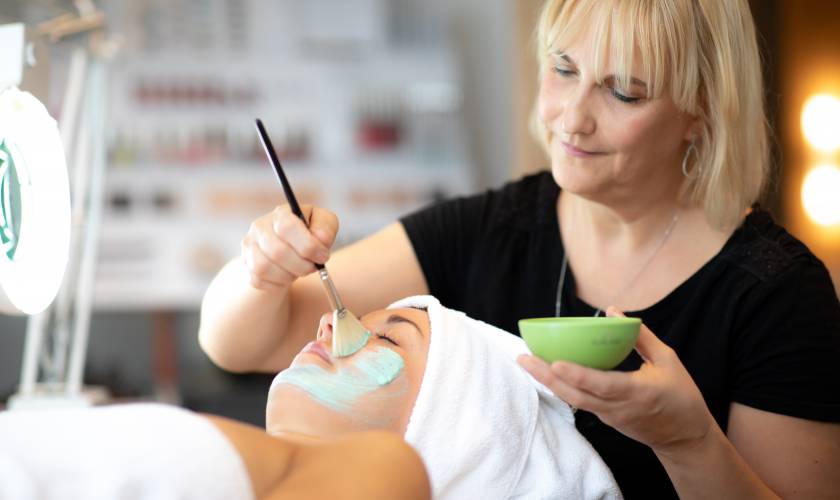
(34, 205)
(821, 195)
(821, 122)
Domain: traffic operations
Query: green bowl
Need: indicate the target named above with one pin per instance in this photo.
(595, 342)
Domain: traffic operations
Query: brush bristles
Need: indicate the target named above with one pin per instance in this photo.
(349, 335)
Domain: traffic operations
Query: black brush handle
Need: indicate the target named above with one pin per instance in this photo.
(281, 176)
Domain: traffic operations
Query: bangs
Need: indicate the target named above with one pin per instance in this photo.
(622, 33)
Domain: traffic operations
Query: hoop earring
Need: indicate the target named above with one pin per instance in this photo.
(697, 170)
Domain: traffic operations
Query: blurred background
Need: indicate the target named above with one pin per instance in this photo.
(376, 107)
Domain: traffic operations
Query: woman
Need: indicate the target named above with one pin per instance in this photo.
(426, 374)
(153, 451)
(652, 115)
(324, 419)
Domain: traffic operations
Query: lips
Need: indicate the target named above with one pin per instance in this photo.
(576, 151)
(318, 349)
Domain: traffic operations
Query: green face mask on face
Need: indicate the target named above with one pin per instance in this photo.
(368, 371)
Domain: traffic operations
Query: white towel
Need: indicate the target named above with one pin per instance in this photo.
(486, 429)
(125, 452)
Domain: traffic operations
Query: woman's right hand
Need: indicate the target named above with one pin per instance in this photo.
(279, 248)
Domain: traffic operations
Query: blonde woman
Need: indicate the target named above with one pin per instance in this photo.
(652, 115)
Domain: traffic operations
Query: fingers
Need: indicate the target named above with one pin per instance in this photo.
(575, 397)
(282, 255)
(599, 383)
(279, 247)
(648, 345)
(614, 312)
(293, 231)
(264, 273)
(323, 224)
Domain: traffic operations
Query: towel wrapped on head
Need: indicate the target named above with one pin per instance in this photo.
(485, 428)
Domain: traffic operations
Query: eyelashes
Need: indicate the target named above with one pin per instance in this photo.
(623, 98)
(387, 338)
(615, 93)
(563, 72)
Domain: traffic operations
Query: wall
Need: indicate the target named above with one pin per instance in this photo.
(123, 346)
(809, 64)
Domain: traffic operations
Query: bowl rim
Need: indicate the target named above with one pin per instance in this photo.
(581, 319)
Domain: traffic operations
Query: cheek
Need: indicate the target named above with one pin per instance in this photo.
(549, 101)
(370, 371)
(655, 129)
(635, 132)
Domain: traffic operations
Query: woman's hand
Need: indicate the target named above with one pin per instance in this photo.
(658, 405)
(279, 248)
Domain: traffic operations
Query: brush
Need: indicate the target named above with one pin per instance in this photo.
(349, 335)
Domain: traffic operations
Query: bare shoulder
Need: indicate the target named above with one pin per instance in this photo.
(364, 466)
(266, 458)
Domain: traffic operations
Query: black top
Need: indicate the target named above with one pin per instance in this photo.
(758, 324)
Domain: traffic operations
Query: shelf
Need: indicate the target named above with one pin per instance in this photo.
(164, 258)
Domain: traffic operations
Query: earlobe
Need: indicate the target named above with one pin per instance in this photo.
(693, 130)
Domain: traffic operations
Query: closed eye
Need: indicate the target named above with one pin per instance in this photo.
(387, 338)
(615, 93)
(624, 98)
(563, 71)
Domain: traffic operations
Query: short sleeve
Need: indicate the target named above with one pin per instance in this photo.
(444, 236)
(787, 347)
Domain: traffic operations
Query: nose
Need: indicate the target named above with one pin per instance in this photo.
(576, 117)
(325, 328)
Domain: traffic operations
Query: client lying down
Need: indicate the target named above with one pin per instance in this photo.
(450, 384)
(160, 452)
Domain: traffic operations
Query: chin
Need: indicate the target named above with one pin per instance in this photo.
(575, 179)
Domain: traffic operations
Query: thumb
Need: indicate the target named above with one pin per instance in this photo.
(323, 224)
(648, 345)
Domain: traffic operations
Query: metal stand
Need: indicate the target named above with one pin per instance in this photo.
(56, 340)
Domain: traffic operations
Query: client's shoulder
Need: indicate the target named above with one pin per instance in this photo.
(366, 465)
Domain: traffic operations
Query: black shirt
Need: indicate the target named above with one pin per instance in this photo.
(758, 324)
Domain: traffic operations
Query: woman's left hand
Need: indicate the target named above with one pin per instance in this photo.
(658, 405)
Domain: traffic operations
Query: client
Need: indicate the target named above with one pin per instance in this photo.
(154, 452)
(450, 384)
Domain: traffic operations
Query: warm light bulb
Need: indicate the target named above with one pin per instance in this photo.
(821, 195)
(821, 122)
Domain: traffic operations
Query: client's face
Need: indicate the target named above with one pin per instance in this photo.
(374, 388)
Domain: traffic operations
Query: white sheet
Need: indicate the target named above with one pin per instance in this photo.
(125, 452)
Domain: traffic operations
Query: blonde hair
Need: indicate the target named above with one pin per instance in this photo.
(705, 54)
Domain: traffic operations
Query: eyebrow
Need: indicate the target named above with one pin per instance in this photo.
(568, 59)
(396, 318)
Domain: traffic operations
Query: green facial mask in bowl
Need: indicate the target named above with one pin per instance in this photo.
(595, 342)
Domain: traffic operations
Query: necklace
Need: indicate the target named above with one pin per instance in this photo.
(558, 303)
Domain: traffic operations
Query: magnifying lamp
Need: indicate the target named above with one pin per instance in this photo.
(35, 213)
(34, 188)
(34, 205)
